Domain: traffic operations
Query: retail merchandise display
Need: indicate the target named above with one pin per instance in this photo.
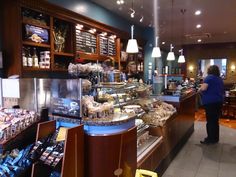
(15, 163)
(13, 121)
(47, 151)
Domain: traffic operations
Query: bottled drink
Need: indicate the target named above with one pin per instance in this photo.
(35, 59)
(24, 58)
(141, 67)
(29, 59)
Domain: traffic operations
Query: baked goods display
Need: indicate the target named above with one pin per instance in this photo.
(86, 85)
(93, 109)
(143, 90)
(133, 109)
(158, 113)
(12, 121)
(84, 68)
(143, 138)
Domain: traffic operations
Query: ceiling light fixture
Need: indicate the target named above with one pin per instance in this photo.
(181, 58)
(79, 27)
(93, 30)
(141, 19)
(163, 43)
(199, 40)
(132, 13)
(198, 26)
(171, 55)
(132, 46)
(156, 52)
(198, 12)
(103, 34)
(120, 2)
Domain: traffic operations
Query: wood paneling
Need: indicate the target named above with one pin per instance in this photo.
(207, 51)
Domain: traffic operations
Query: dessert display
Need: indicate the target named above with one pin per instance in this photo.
(159, 113)
(93, 109)
(13, 121)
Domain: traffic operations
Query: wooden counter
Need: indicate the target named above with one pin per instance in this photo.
(175, 133)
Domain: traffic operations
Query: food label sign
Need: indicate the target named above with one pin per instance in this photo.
(65, 107)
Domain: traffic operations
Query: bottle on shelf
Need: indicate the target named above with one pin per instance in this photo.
(35, 58)
(141, 66)
(29, 59)
(24, 58)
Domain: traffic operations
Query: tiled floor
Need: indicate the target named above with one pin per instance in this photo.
(197, 160)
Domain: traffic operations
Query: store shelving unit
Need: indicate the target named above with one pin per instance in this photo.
(17, 14)
(73, 159)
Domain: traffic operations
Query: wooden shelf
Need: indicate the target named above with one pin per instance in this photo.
(60, 70)
(64, 54)
(35, 24)
(35, 44)
(35, 69)
(172, 75)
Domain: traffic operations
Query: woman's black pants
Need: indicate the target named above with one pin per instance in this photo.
(213, 113)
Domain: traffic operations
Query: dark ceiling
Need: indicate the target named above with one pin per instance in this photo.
(218, 19)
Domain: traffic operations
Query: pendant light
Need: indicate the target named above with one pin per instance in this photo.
(156, 52)
(181, 58)
(171, 55)
(132, 46)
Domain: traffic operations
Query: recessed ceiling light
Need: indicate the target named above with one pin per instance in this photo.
(198, 12)
(122, 1)
(118, 2)
(163, 43)
(198, 26)
(199, 40)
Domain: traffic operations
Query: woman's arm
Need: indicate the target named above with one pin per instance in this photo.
(203, 87)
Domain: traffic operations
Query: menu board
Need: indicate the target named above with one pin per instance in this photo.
(107, 46)
(65, 107)
(103, 45)
(86, 41)
(111, 47)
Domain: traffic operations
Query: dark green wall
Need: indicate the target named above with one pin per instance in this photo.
(98, 13)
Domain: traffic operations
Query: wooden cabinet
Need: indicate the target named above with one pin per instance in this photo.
(37, 26)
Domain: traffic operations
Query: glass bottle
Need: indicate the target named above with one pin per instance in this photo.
(24, 58)
(35, 59)
(29, 59)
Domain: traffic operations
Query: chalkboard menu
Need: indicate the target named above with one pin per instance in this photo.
(103, 45)
(65, 107)
(111, 47)
(107, 46)
(86, 41)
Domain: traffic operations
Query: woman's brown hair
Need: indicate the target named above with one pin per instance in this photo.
(214, 70)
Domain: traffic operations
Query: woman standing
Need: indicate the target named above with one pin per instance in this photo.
(212, 98)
